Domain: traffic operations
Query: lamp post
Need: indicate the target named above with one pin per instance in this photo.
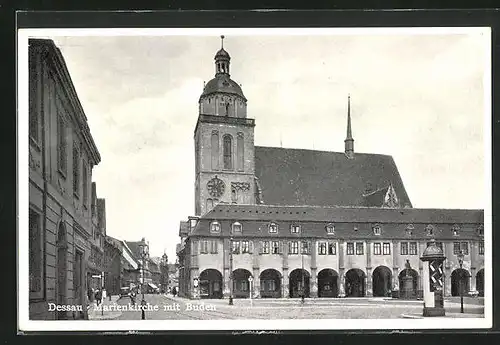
(144, 253)
(460, 257)
(302, 272)
(231, 271)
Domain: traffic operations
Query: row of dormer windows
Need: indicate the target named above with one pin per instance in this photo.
(295, 228)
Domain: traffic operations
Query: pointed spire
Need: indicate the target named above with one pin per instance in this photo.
(222, 41)
(349, 141)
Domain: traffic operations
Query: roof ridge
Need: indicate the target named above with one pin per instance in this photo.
(324, 151)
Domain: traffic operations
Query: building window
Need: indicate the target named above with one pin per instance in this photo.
(204, 247)
(386, 248)
(461, 246)
(304, 247)
(330, 229)
(481, 248)
(237, 227)
(213, 247)
(244, 247)
(332, 248)
(480, 230)
(429, 230)
(76, 170)
(295, 229)
(35, 255)
(215, 227)
(85, 183)
(265, 247)
(215, 150)
(322, 248)
(276, 247)
(62, 163)
(228, 152)
(377, 230)
(404, 248)
(359, 248)
(377, 249)
(413, 248)
(273, 228)
(236, 247)
(350, 248)
(455, 229)
(240, 144)
(294, 247)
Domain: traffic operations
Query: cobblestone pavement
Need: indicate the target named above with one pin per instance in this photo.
(177, 308)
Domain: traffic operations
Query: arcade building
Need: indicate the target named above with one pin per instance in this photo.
(317, 223)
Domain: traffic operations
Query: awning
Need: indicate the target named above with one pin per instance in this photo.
(153, 286)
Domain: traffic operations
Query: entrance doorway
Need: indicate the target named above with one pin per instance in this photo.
(355, 283)
(480, 282)
(241, 285)
(381, 280)
(270, 283)
(460, 282)
(299, 283)
(210, 284)
(328, 283)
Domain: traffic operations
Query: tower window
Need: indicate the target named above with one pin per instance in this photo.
(215, 150)
(228, 152)
(239, 152)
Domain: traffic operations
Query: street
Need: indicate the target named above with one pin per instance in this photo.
(168, 307)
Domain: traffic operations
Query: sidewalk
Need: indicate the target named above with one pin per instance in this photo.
(98, 313)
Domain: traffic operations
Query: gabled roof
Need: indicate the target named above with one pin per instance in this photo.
(321, 178)
(350, 222)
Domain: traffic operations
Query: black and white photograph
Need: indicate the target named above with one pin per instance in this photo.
(254, 178)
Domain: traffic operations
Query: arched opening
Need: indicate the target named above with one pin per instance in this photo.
(460, 282)
(214, 143)
(408, 283)
(61, 268)
(240, 151)
(381, 281)
(228, 151)
(355, 283)
(270, 283)
(241, 285)
(480, 282)
(210, 284)
(328, 283)
(299, 283)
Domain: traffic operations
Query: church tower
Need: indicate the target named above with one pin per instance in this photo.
(224, 142)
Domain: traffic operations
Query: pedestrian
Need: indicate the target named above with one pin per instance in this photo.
(132, 297)
(98, 296)
(174, 291)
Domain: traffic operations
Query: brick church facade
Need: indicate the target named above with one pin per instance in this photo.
(322, 224)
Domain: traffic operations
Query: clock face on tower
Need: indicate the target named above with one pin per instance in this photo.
(216, 187)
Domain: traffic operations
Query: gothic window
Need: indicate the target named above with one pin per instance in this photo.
(240, 152)
(228, 152)
(234, 196)
(215, 150)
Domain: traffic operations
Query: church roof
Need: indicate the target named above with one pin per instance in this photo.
(222, 83)
(320, 178)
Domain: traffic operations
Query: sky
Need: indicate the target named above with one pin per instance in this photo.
(418, 97)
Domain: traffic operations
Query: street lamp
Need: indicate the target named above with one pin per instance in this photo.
(231, 271)
(302, 272)
(460, 257)
(144, 248)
